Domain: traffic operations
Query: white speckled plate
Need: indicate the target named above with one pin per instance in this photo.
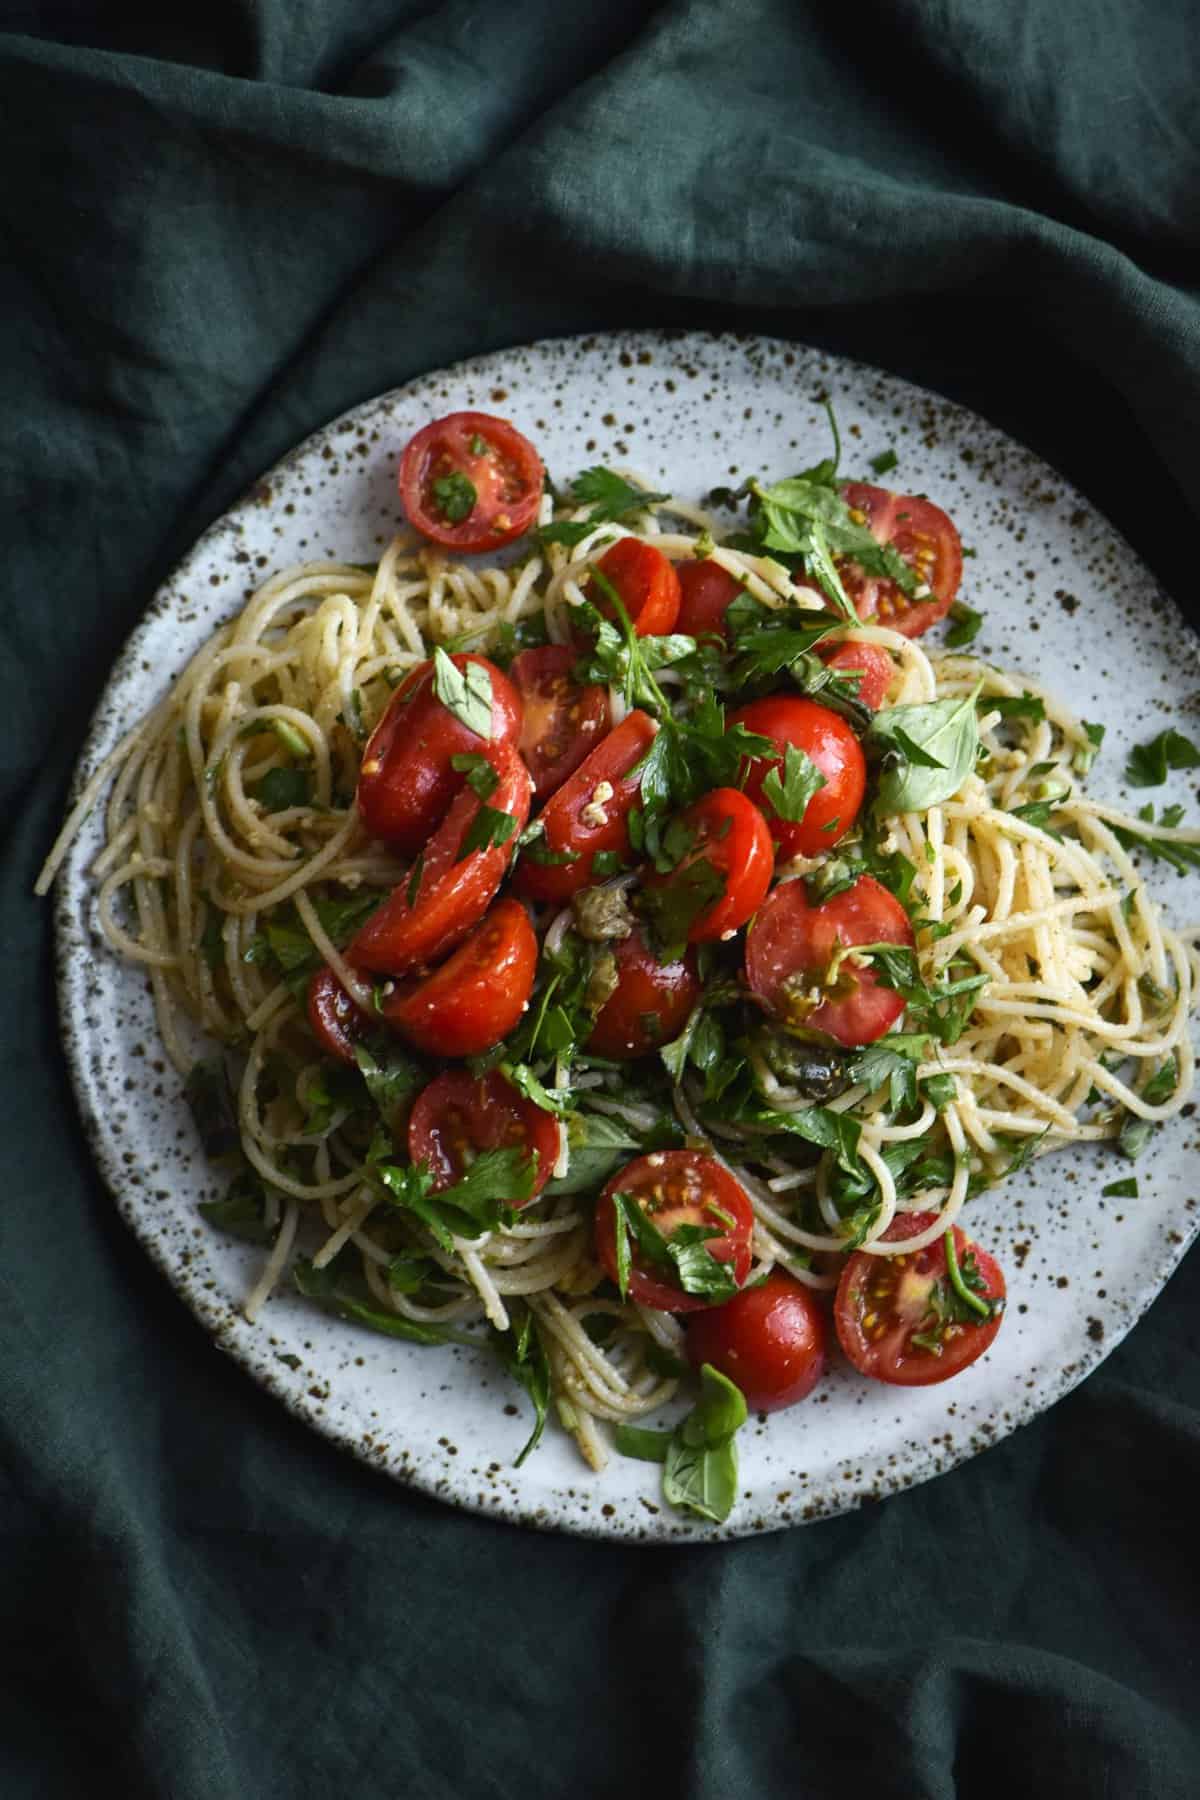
(1064, 597)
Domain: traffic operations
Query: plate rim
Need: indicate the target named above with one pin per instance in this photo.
(495, 1502)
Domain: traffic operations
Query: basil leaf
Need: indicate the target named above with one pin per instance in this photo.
(1163, 1082)
(1017, 706)
(559, 1101)
(475, 1204)
(966, 627)
(210, 1099)
(327, 1286)
(672, 907)
(242, 1210)
(947, 734)
(391, 1073)
(212, 938)
(939, 1090)
(487, 831)
(718, 1414)
(523, 1354)
(483, 778)
(1135, 1135)
(700, 1471)
(467, 692)
(330, 1089)
(646, 1446)
(281, 789)
(893, 1060)
(683, 1256)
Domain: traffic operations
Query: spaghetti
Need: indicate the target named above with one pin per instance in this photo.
(234, 856)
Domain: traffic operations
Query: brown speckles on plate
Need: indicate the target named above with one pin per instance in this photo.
(690, 408)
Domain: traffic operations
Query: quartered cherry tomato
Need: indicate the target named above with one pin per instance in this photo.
(589, 813)
(674, 1188)
(448, 891)
(407, 779)
(459, 1114)
(899, 1319)
(647, 585)
(925, 537)
(825, 737)
(563, 718)
(336, 1020)
(706, 590)
(731, 835)
(471, 482)
(650, 1004)
(769, 1341)
(791, 945)
(478, 996)
(870, 662)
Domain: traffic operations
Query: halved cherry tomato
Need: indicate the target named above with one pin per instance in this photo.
(589, 812)
(471, 481)
(732, 836)
(870, 662)
(474, 999)
(706, 589)
(674, 1188)
(826, 738)
(336, 1020)
(459, 1114)
(650, 1003)
(791, 944)
(896, 1316)
(769, 1341)
(646, 583)
(563, 719)
(450, 891)
(925, 537)
(407, 779)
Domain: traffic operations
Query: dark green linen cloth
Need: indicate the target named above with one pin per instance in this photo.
(219, 231)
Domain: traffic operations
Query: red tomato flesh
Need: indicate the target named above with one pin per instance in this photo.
(478, 996)
(769, 1341)
(826, 738)
(732, 835)
(563, 719)
(471, 482)
(647, 585)
(337, 1021)
(706, 590)
(460, 1114)
(589, 813)
(674, 1188)
(870, 662)
(884, 1303)
(925, 537)
(650, 1004)
(407, 779)
(791, 944)
(450, 892)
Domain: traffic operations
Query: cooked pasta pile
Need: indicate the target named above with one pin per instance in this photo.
(1087, 992)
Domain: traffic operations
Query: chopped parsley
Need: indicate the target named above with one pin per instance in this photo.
(454, 496)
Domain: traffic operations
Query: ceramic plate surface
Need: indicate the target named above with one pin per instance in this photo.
(1064, 598)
